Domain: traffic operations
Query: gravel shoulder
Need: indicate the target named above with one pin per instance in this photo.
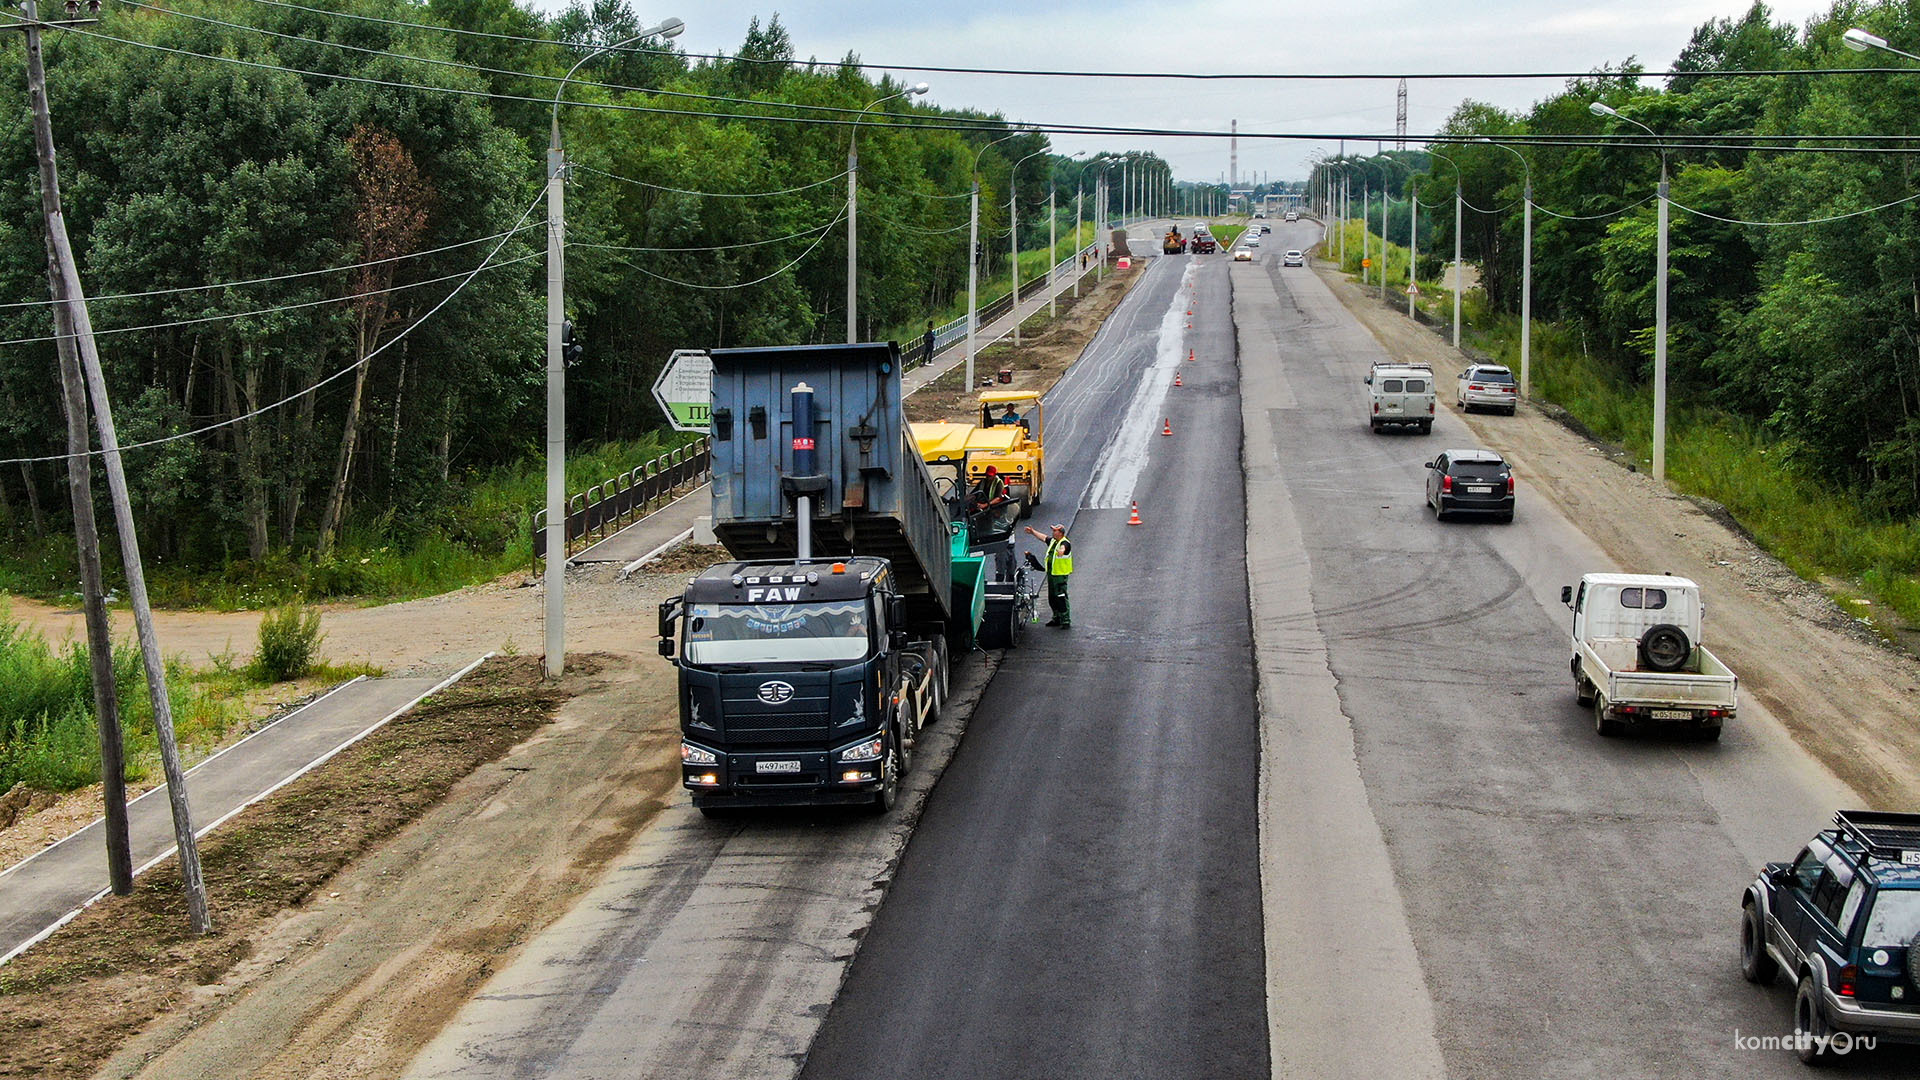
(1843, 695)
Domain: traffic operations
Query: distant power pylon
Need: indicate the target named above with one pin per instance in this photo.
(1400, 118)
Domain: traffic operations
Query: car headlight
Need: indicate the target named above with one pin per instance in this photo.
(694, 755)
(870, 750)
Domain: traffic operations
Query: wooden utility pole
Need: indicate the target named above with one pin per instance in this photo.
(76, 330)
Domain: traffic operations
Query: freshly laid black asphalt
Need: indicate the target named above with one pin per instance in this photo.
(1082, 896)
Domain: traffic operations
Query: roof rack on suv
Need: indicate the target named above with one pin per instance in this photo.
(1895, 837)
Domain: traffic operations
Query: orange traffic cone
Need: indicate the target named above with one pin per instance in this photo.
(1135, 519)
(1176, 378)
(1189, 356)
(1189, 309)
(1166, 426)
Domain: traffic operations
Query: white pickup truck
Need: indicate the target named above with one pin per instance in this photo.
(1638, 658)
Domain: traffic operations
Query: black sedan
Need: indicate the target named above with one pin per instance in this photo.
(1470, 482)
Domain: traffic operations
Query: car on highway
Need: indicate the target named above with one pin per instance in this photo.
(1250, 241)
(1243, 254)
(1486, 386)
(1293, 258)
(1470, 482)
(1842, 920)
(1264, 228)
(1293, 215)
(1400, 394)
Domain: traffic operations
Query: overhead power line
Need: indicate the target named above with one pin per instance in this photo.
(341, 373)
(841, 175)
(953, 124)
(277, 277)
(713, 247)
(1108, 74)
(230, 315)
(824, 233)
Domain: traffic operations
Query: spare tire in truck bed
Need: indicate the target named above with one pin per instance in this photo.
(1664, 648)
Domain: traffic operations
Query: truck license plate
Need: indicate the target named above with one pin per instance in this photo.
(1672, 714)
(776, 766)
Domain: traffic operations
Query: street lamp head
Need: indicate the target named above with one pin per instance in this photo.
(1860, 41)
(1601, 108)
(918, 88)
(671, 28)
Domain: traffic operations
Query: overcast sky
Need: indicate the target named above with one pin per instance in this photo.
(1360, 36)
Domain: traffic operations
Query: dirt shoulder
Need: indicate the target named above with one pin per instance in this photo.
(1046, 350)
(410, 863)
(1842, 693)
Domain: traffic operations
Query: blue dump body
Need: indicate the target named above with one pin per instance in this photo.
(872, 494)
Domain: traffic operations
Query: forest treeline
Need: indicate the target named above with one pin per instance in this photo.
(1810, 331)
(206, 143)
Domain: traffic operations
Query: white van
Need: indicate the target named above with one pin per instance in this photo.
(1400, 394)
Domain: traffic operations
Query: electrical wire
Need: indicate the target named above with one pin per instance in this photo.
(510, 72)
(1594, 217)
(267, 280)
(712, 194)
(713, 247)
(295, 396)
(737, 285)
(227, 316)
(1110, 74)
(1808, 221)
(985, 127)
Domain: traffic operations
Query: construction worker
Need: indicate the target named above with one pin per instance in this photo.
(1059, 567)
(989, 491)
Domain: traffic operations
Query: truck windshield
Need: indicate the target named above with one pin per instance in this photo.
(1895, 919)
(758, 633)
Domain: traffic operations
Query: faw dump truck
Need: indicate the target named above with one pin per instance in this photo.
(808, 666)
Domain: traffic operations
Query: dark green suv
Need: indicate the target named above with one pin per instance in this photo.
(1843, 921)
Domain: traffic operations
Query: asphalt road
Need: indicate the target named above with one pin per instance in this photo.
(1571, 901)
(1081, 897)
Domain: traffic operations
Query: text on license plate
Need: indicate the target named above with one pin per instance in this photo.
(1479, 489)
(776, 766)
(1672, 714)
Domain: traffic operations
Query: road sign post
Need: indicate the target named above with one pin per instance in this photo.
(685, 390)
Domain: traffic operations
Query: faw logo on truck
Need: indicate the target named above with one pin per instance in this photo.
(773, 595)
(776, 692)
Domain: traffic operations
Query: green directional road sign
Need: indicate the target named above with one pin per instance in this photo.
(685, 390)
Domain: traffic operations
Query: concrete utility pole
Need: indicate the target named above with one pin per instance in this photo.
(77, 322)
(556, 576)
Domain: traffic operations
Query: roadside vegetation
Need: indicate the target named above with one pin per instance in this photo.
(1793, 382)
(1226, 234)
(49, 738)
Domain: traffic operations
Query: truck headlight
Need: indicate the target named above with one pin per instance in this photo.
(869, 750)
(694, 755)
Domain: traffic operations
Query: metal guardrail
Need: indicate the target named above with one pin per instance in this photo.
(607, 506)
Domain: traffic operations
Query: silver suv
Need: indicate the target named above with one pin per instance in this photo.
(1486, 386)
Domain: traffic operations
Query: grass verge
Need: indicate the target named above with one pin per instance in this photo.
(66, 1004)
(1818, 531)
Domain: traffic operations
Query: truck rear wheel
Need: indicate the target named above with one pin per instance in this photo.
(1603, 726)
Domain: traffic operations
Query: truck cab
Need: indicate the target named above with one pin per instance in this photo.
(797, 683)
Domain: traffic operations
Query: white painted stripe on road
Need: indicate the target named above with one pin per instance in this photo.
(684, 535)
(1118, 473)
(210, 760)
(224, 818)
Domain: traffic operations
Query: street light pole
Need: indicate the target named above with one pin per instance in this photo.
(973, 256)
(1526, 270)
(853, 206)
(1659, 299)
(556, 576)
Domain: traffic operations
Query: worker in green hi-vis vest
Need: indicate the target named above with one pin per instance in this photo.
(1059, 567)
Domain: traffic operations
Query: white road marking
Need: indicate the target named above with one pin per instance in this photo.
(1118, 473)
